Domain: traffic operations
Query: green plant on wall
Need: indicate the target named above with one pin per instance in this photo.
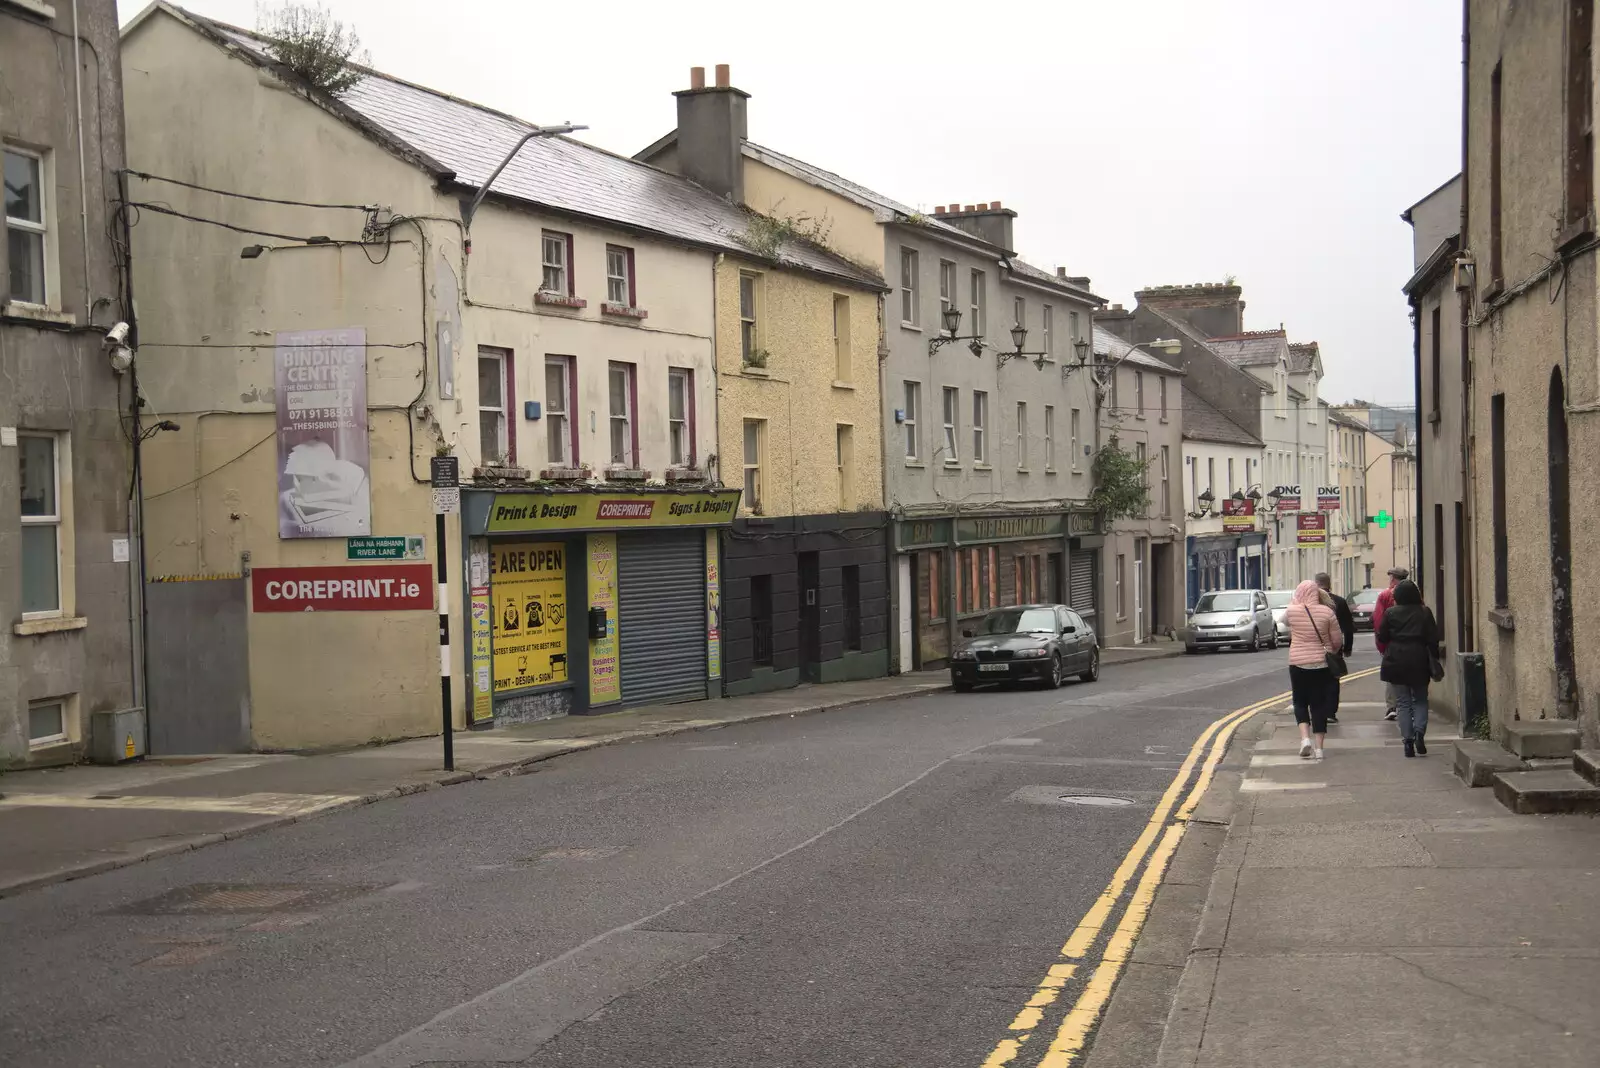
(309, 41)
(1121, 486)
(757, 358)
(765, 235)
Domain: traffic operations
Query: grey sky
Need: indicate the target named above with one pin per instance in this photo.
(1142, 141)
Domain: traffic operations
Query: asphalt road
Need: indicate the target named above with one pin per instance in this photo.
(878, 886)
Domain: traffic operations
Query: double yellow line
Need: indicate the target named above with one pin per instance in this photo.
(1073, 1033)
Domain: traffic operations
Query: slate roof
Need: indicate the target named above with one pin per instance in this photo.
(888, 210)
(1112, 347)
(554, 172)
(1202, 422)
(1303, 356)
(1262, 348)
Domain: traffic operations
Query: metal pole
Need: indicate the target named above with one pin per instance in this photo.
(483, 190)
(444, 643)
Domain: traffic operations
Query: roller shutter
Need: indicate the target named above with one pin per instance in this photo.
(1082, 568)
(661, 616)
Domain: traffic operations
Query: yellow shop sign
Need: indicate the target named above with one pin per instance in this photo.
(513, 513)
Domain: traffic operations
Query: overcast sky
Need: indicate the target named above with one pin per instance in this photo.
(1143, 142)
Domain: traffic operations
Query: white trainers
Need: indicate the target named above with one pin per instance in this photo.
(1391, 714)
(1306, 750)
(1318, 756)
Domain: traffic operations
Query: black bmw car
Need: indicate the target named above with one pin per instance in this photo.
(1033, 642)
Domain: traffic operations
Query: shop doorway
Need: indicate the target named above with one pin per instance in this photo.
(1561, 550)
(661, 616)
(810, 618)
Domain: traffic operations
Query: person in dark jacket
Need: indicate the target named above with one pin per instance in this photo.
(1409, 635)
(1347, 625)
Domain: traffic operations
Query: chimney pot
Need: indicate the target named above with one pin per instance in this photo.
(939, 210)
(1061, 272)
(697, 77)
(722, 75)
(983, 207)
(970, 207)
(1116, 307)
(994, 205)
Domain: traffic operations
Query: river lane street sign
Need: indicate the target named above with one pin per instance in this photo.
(404, 547)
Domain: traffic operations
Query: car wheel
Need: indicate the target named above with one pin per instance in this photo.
(1094, 668)
(1274, 643)
(1255, 640)
(1054, 681)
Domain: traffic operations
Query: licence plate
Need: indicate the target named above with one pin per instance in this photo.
(994, 667)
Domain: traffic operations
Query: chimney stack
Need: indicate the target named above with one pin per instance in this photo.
(711, 133)
(988, 221)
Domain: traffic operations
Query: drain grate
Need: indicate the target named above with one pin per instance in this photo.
(223, 898)
(1096, 800)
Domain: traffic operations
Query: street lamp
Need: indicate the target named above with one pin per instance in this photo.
(538, 131)
(951, 317)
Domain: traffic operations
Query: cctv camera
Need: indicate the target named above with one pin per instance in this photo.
(117, 334)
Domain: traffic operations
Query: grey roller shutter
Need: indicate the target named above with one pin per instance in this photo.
(661, 616)
(1082, 572)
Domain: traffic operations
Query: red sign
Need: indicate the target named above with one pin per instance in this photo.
(1311, 529)
(1328, 498)
(624, 509)
(1238, 515)
(355, 588)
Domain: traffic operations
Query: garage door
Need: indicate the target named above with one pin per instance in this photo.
(661, 616)
(1083, 567)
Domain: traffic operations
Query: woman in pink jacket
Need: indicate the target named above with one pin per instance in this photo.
(1313, 632)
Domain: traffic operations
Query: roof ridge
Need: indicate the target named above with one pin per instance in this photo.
(1248, 334)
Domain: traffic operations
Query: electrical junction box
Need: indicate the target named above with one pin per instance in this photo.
(116, 737)
(530, 410)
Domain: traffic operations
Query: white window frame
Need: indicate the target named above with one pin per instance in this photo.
(56, 521)
(1138, 394)
(680, 428)
(950, 399)
(980, 302)
(909, 266)
(41, 228)
(749, 316)
(1049, 437)
(754, 430)
(1166, 482)
(913, 408)
(62, 736)
(1072, 328)
(625, 279)
(1021, 435)
(1049, 346)
(629, 461)
(568, 456)
(947, 289)
(843, 363)
(1076, 421)
(561, 264)
(498, 356)
(980, 427)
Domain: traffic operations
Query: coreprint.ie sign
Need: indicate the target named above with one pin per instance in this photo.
(348, 588)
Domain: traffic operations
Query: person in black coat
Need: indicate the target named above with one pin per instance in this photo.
(1412, 644)
(1347, 624)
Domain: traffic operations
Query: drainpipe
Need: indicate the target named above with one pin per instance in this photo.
(1467, 609)
(83, 181)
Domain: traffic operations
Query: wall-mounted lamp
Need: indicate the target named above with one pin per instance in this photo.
(951, 317)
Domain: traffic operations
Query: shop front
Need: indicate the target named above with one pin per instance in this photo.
(950, 571)
(1226, 562)
(587, 600)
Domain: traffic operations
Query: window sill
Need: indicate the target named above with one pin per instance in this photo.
(1023, 471)
(1164, 419)
(754, 371)
(623, 311)
(34, 7)
(559, 300)
(39, 313)
(911, 327)
(49, 625)
(839, 383)
(918, 464)
(983, 467)
(1574, 235)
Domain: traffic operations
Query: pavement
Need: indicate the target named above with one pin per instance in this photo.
(882, 886)
(1366, 910)
(66, 823)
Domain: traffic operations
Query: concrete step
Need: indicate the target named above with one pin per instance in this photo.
(1476, 762)
(1586, 762)
(1551, 790)
(1543, 738)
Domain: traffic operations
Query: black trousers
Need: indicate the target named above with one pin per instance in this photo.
(1313, 690)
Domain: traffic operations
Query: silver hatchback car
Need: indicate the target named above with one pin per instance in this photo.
(1223, 619)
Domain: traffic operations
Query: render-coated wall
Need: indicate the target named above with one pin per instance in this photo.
(796, 396)
(60, 383)
(932, 480)
(844, 226)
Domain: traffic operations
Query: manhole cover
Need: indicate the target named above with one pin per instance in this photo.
(244, 897)
(1096, 800)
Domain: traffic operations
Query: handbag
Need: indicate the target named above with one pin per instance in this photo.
(1435, 665)
(1334, 661)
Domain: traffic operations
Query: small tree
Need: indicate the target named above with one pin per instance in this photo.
(308, 40)
(1121, 490)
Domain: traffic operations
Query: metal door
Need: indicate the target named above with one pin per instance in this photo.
(198, 686)
(1082, 568)
(661, 616)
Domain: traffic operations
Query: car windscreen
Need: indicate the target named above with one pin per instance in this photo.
(1231, 601)
(1019, 621)
(1279, 598)
(1364, 597)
